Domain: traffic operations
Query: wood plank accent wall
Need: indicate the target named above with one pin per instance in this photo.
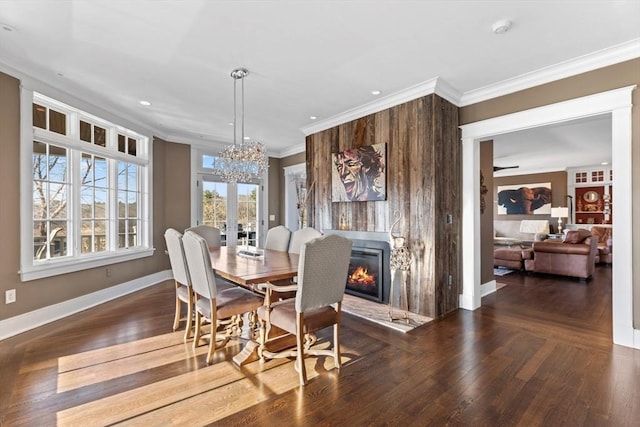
(423, 183)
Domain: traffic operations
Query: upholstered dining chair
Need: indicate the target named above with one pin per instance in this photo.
(299, 237)
(322, 276)
(182, 280)
(210, 234)
(278, 238)
(212, 304)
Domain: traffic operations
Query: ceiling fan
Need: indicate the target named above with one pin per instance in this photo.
(499, 168)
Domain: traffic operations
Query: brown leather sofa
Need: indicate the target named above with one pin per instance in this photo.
(574, 256)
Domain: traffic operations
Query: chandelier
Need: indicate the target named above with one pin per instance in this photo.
(243, 161)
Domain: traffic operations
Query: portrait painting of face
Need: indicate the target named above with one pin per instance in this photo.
(359, 174)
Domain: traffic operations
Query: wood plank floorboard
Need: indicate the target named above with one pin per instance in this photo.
(538, 353)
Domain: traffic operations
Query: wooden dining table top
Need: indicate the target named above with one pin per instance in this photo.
(248, 270)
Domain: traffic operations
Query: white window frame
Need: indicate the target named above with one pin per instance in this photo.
(31, 269)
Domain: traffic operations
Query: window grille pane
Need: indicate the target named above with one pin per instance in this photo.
(132, 146)
(100, 236)
(49, 239)
(39, 116)
(121, 144)
(122, 175)
(39, 160)
(122, 204)
(57, 164)
(100, 203)
(86, 202)
(132, 177)
(99, 136)
(85, 131)
(57, 122)
(86, 236)
(132, 205)
(122, 235)
(100, 174)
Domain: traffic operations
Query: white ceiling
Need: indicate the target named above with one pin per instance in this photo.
(320, 58)
(584, 142)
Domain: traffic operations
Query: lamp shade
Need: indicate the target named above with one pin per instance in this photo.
(560, 212)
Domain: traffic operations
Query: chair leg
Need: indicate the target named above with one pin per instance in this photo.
(336, 345)
(196, 336)
(189, 325)
(212, 339)
(302, 371)
(176, 319)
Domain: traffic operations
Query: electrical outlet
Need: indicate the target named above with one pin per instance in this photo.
(10, 296)
(108, 271)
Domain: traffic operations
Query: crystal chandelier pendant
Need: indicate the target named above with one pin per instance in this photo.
(243, 161)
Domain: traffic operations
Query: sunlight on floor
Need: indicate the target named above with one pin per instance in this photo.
(199, 397)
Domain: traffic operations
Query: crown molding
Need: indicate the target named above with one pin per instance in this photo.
(290, 151)
(582, 64)
(421, 89)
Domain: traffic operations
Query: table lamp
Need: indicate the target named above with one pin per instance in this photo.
(560, 213)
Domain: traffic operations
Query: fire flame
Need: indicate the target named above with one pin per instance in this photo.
(361, 276)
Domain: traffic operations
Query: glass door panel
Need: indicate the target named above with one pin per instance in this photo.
(214, 206)
(247, 213)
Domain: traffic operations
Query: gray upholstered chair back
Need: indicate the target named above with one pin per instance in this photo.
(210, 234)
(176, 256)
(196, 251)
(278, 238)
(299, 237)
(322, 272)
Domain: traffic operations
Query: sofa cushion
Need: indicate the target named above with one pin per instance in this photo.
(576, 236)
(561, 248)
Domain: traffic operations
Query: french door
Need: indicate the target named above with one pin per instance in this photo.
(233, 208)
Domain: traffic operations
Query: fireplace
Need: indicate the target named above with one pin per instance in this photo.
(369, 276)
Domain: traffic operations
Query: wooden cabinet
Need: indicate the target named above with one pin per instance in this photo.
(593, 205)
(592, 191)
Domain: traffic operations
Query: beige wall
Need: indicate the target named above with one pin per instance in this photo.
(601, 80)
(171, 168)
(558, 182)
(294, 159)
(486, 218)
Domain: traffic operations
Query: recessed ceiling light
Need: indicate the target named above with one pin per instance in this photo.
(312, 117)
(375, 92)
(7, 27)
(246, 138)
(145, 103)
(230, 123)
(501, 26)
(604, 163)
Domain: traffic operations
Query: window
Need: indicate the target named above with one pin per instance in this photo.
(89, 182)
(581, 177)
(597, 176)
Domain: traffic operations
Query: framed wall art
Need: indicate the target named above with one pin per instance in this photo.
(359, 174)
(524, 199)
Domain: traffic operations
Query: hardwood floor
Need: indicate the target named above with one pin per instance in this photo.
(538, 352)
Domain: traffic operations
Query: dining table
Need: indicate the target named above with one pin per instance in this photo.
(248, 268)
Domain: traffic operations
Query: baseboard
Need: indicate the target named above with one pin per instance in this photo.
(33, 319)
(487, 288)
(636, 338)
